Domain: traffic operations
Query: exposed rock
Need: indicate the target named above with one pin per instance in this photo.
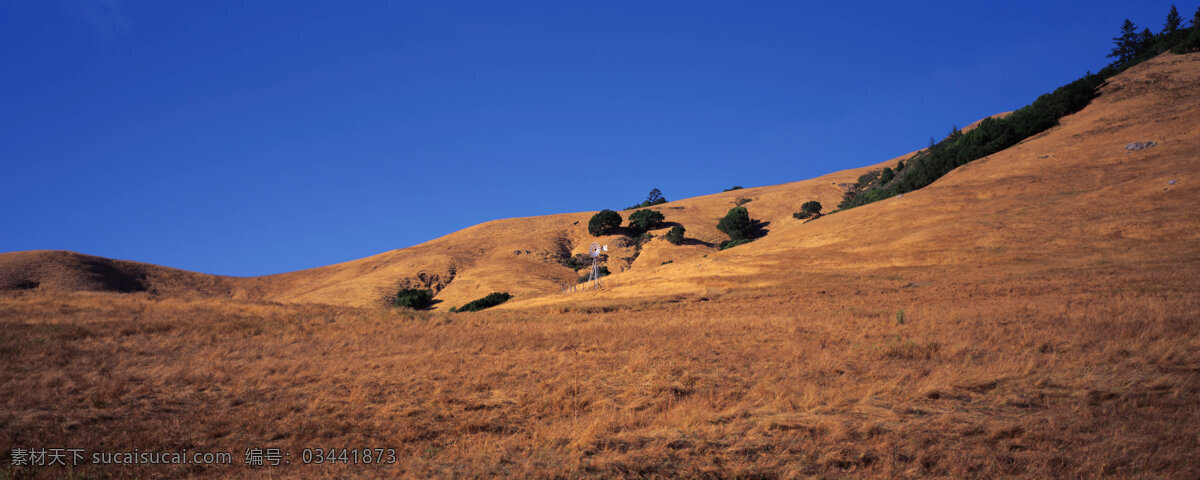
(1139, 146)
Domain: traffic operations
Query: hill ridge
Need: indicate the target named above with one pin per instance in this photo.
(1043, 180)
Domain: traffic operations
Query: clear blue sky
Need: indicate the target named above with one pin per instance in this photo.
(251, 137)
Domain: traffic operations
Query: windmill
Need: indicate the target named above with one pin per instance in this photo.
(595, 251)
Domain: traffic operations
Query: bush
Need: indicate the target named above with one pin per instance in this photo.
(734, 243)
(675, 236)
(491, 300)
(730, 189)
(1190, 43)
(645, 219)
(600, 272)
(809, 209)
(416, 299)
(741, 201)
(577, 262)
(886, 176)
(737, 224)
(604, 222)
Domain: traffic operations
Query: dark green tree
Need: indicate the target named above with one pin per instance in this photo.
(1145, 39)
(955, 132)
(900, 165)
(810, 208)
(1174, 21)
(655, 197)
(1126, 44)
(1196, 19)
(675, 236)
(645, 219)
(886, 176)
(412, 298)
(737, 224)
(604, 222)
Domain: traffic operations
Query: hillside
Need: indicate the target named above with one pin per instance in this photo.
(1067, 198)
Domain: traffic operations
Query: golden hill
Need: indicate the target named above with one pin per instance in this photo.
(1070, 196)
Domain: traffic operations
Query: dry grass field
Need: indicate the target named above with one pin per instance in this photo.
(1032, 314)
(1049, 374)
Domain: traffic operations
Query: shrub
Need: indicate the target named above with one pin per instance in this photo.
(600, 272)
(645, 219)
(737, 224)
(675, 236)
(741, 201)
(809, 209)
(604, 222)
(1190, 43)
(491, 300)
(734, 243)
(866, 179)
(416, 299)
(886, 176)
(730, 189)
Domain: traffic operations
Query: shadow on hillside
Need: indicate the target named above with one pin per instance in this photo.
(696, 241)
(760, 229)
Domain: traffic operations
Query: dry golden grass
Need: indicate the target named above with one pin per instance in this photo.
(1052, 374)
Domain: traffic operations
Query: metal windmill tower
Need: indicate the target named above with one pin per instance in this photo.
(594, 251)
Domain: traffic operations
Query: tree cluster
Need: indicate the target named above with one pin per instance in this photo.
(996, 134)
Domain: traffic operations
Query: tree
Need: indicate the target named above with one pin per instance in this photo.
(604, 222)
(810, 208)
(1196, 19)
(1145, 39)
(900, 165)
(413, 298)
(886, 176)
(655, 197)
(954, 132)
(675, 236)
(1126, 44)
(737, 224)
(1173, 21)
(645, 219)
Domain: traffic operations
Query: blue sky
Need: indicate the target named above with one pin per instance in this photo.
(252, 137)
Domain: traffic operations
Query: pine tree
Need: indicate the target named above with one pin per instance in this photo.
(1196, 19)
(1126, 44)
(1145, 39)
(1173, 21)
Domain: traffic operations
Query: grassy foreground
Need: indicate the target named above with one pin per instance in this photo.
(1040, 374)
